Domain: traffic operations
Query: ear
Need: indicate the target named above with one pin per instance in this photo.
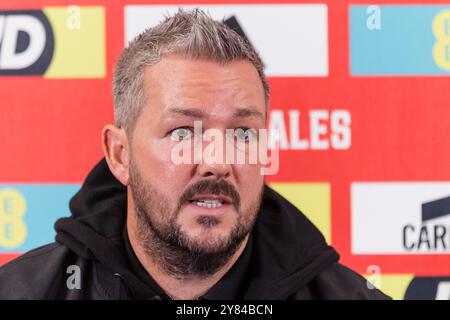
(117, 154)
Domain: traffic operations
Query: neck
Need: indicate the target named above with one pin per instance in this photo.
(185, 288)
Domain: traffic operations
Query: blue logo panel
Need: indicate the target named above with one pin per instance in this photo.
(28, 213)
(399, 40)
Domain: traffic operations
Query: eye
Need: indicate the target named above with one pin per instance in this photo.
(182, 133)
(245, 134)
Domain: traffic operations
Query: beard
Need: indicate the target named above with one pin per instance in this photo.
(163, 238)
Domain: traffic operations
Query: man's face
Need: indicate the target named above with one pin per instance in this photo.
(209, 205)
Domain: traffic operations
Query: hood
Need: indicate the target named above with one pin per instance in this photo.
(288, 250)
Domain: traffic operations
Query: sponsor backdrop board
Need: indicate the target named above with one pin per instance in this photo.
(359, 93)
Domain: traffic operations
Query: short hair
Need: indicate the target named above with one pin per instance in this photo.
(192, 34)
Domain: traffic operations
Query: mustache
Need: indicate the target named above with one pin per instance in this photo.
(220, 187)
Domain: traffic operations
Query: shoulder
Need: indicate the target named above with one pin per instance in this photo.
(35, 274)
(337, 282)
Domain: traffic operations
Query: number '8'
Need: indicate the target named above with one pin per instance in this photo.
(441, 31)
(12, 226)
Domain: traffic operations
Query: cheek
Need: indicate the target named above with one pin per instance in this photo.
(251, 182)
(167, 176)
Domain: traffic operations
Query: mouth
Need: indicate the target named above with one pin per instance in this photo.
(210, 201)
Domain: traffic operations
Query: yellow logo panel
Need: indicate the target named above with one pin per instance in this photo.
(313, 199)
(79, 34)
(394, 285)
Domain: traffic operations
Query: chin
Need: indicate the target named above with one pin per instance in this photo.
(209, 240)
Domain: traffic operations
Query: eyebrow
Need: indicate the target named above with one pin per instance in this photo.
(200, 114)
(247, 113)
(189, 112)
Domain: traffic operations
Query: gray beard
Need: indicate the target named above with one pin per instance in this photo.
(170, 247)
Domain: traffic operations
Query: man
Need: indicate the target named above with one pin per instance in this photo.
(145, 226)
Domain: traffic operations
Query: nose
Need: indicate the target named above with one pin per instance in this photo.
(214, 170)
(213, 156)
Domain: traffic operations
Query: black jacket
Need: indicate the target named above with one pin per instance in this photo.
(289, 256)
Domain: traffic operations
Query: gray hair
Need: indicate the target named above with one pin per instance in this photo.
(193, 34)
